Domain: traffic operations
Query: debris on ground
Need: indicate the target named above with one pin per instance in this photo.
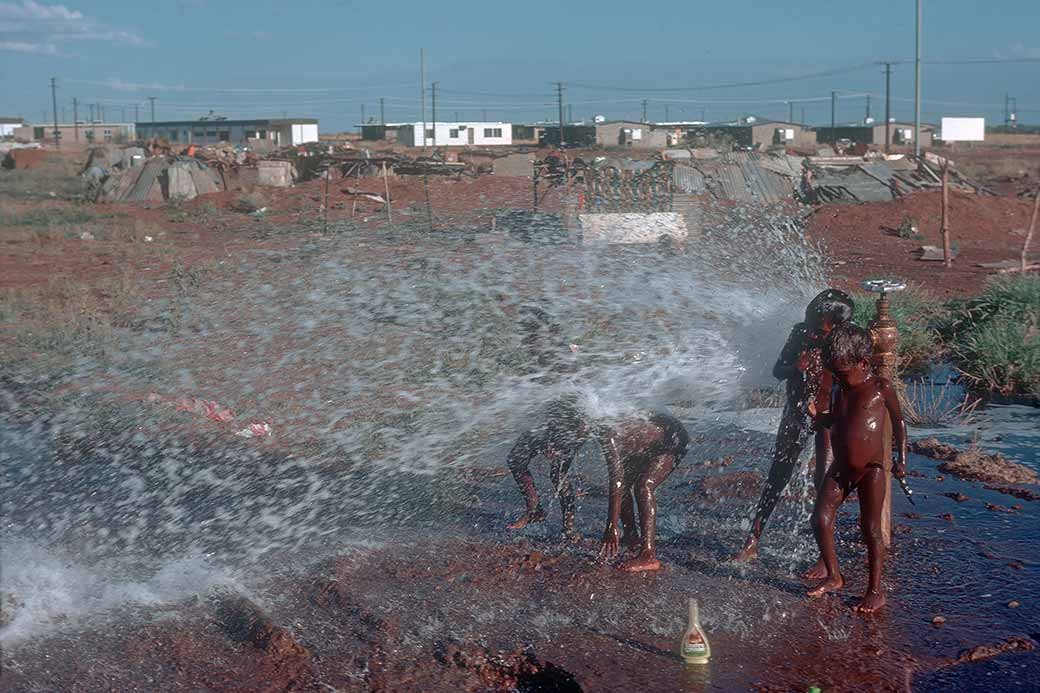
(974, 465)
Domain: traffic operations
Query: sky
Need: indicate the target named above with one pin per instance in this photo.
(501, 61)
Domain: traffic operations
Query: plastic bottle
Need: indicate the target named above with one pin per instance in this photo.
(695, 648)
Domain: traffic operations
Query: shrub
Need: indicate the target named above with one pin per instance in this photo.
(995, 337)
(916, 315)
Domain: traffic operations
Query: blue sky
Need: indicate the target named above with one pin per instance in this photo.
(328, 59)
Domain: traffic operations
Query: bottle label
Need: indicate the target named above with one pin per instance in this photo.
(694, 646)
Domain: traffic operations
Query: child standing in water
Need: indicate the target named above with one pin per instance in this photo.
(857, 436)
(640, 451)
(808, 395)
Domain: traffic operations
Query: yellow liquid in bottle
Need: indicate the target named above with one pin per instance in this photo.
(695, 648)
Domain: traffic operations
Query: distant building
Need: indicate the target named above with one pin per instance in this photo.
(874, 134)
(279, 132)
(116, 133)
(761, 133)
(456, 134)
(8, 125)
(574, 135)
(528, 133)
(374, 132)
(627, 133)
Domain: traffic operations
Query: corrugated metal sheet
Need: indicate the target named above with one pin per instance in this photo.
(688, 179)
(850, 185)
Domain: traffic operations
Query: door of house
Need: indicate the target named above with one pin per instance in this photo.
(470, 134)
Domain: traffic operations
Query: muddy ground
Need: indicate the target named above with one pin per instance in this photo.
(459, 604)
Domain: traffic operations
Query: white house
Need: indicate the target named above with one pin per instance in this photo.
(280, 131)
(7, 126)
(456, 134)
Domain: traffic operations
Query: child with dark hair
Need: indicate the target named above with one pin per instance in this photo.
(640, 451)
(856, 420)
(808, 395)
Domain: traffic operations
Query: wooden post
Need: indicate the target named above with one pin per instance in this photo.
(944, 227)
(1029, 234)
(386, 187)
(886, 344)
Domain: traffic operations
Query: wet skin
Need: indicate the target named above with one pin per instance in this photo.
(808, 398)
(640, 454)
(857, 436)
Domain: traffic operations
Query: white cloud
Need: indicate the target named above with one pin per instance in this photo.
(23, 47)
(1016, 50)
(33, 27)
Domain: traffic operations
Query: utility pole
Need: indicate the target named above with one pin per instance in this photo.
(667, 119)
(362, 114)
(888, 107)
(92, 114)
(483, 113)
(75, 117)
(790, 111)
(645, 102)
(136, 118)
(152, 99)
(834, 108)
(1006, 110)
(917, 85)
(54, 104)
(868, 108)
(456, 116)
(382, 112)
(803, 115)
(433, 97)
(422, 91)
(570, 113)
(559, 102)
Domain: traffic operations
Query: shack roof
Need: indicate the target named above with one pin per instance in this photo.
(250, 121)
(11, 119)
(742, 123)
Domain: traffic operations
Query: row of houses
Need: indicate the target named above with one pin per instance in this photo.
(277, 132)
(748, 132)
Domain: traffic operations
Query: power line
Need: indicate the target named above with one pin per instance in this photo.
(731, 85)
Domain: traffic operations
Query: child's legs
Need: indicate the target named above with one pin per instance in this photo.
(630, 531)
(824, 457)
(655, 472)
(828, 501)
(790, 439)
(871, 490)
(559, 474)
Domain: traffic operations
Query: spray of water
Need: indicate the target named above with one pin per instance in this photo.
(384, 367)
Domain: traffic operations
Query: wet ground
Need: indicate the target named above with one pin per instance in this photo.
(444, 598)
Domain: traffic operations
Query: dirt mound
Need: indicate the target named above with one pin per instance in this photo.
(997, 472)
(517, 671)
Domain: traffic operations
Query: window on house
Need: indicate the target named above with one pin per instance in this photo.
(492, 132)
(108, 135)
(211, 133)
(225, 135)
(429, 133)
(198, 134)
(173, 135)
(453, 133)
(263, 134)
(38, 133)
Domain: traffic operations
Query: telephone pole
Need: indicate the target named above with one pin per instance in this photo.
(362, 114)
(645, 102)
(75, 117)
(559, 102)
(433, 97)
(834, 108)
(790, 111)
(152, 99)
(803, 115)
(868, 107)
(54, 104)
(888, 107)
(422, 91)
(917, 84)
(382, 112)
(91, 114)
(667, 119)
(136, 118)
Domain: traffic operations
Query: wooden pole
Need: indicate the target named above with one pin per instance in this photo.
(386, 187)
(886, 344)
(1029, 234)
(328, 175)
(944, 228)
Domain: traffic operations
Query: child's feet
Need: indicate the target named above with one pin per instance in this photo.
(831, 584)
(645, 561)
(817, 572)
(537, 515)
(749, 552)
(871, 602)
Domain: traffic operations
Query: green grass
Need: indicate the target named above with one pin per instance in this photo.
(994, 338)
(49, 217)
(917, 315)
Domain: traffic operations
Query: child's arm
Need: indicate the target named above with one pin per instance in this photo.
(785, 365)
(615, 472)
(895, 413)
(519, 461)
